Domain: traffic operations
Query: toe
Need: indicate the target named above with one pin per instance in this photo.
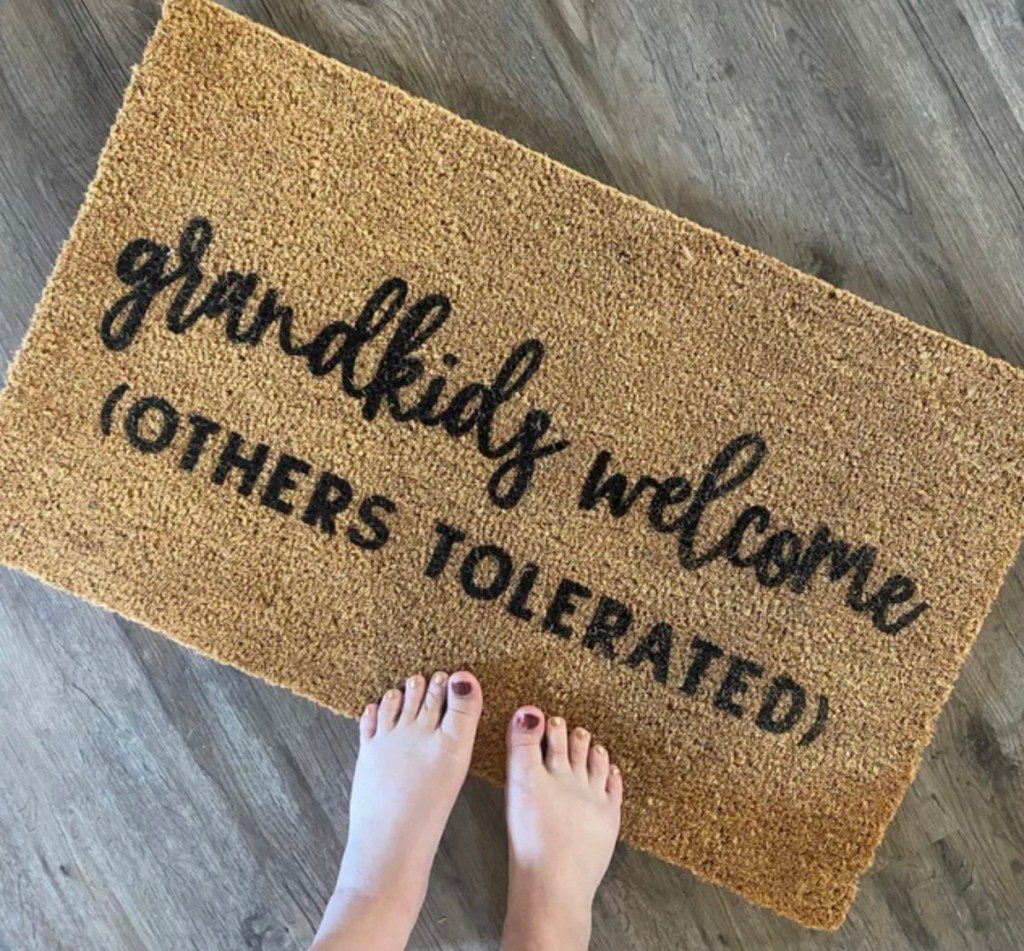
(368, 723)
(597, 766)
(557, 756)
(390, 708)
(415, 687)
(433, 702)
(614, 785)
(579, 747)
(525, 732)
(465, 701)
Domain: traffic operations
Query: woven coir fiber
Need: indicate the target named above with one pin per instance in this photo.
(334, 386)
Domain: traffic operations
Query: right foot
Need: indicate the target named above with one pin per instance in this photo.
(414, 752)
(563, 804)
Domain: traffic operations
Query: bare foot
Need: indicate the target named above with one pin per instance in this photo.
(414, 752)
(563, 807)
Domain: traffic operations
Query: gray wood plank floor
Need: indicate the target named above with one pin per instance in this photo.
(150, 798)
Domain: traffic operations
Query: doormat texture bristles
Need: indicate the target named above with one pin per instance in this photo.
(335, 386)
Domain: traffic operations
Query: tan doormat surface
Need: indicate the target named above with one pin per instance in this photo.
(334, 386)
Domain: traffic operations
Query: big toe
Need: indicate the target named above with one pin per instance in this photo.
(465, 703)
(525, 732)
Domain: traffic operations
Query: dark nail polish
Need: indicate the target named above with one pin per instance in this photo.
(528, 721)
(462, 688)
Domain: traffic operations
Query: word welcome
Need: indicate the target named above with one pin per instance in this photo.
(488, 572)
(344, 347)
(783, 558)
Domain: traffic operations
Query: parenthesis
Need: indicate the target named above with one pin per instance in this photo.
(107, 413)
(819, 723)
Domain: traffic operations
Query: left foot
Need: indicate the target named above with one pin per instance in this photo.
(414, 753)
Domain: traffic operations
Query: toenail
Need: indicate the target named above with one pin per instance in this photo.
(528, 721)
(413, 681)
(599, 749)
(439, 678)
(581, 734)
(392, 694)
(615, 770)
(556, 721)
(462, 688)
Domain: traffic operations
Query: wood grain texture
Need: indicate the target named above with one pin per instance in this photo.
(150, 798)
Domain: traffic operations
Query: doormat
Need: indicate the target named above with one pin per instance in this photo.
(334, 386)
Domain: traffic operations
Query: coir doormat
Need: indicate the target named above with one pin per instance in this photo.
(333, 385)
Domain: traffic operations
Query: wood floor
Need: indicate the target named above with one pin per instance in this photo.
(150, 799)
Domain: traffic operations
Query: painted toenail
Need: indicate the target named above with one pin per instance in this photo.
(440, 678)
(556, 721)
(529, 721)
(600, 750)
(462, 688)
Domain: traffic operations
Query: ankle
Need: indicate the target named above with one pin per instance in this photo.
(545, 916)
(400, 901)
(354, 920)
(401, 885)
